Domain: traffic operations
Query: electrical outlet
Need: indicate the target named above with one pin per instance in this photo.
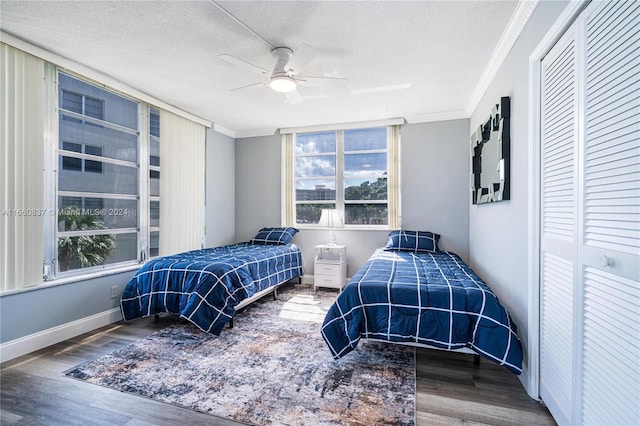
(114, 291)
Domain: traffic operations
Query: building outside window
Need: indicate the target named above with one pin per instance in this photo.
(104, 214)
(347, 170)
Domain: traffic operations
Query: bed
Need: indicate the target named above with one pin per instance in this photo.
(207, 287)
(410, 292)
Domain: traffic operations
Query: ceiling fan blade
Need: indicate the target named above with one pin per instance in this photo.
(251, 86)
(301, 57)
(324, 82)
(293, 97)
(235, 61)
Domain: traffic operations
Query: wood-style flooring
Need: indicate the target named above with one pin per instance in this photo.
(450, 390)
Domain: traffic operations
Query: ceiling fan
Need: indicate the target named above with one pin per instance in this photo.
(287, 72)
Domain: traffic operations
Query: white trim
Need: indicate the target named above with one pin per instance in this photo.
(516, 24)
(42, 339)
(533, 234)
(255, 133)
(69, 278)
(344, 126)
(97, 76)
(436, 116)
(566, 18)
(224, 130)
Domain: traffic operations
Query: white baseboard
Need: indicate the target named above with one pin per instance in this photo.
(51, 336)
(525, 379)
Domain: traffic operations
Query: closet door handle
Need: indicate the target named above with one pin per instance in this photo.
(607, 261)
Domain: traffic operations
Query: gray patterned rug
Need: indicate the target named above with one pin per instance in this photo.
(272, 368)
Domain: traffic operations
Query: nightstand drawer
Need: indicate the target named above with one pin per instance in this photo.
(326, 269)
(327, 281)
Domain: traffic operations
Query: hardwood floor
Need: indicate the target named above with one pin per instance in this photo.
(449, 390)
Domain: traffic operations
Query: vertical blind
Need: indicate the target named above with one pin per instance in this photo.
(288, 172)
(182, 184)
(21, 168)
(395, 215)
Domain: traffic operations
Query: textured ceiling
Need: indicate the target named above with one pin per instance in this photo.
(402, 58)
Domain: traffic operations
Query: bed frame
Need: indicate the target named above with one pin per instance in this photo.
(476, 357)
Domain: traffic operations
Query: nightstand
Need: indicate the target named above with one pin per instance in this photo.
(330, 266)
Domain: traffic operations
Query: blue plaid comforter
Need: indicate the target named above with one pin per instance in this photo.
(204, 286)
(422, 297)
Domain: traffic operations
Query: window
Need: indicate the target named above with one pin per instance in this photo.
(79, 163)
(351, 170)
(94, 162)
(80, 105)
(106, 214)
(154, 182)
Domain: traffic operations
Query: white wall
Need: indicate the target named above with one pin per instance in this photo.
(435, 191)
(498, 240)
(435, 181)
(257, 185)
(220, 189)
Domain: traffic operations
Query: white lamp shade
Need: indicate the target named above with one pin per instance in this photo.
(330, 218)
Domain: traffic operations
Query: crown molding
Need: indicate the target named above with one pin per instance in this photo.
(351, 125)
(514, 28)
(436, 116)
(224, 130)
(253, 133)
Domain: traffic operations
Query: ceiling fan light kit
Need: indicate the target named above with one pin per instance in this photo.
(282, 84)
(281, 77)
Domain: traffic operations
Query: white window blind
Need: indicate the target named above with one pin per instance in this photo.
(182, 153)
(21, 169)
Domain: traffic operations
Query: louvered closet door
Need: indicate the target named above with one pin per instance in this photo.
(610, 216)
(590, 219)
(559, 230)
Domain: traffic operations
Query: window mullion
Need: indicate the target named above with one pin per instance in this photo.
(340, 172)
(105, 195)
(143, 177)
(50, 167)
(97, 121)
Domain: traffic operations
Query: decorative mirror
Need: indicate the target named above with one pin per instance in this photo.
(490, 166)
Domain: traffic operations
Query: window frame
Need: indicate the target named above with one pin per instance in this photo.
(53, 160)
(289, 179)
(151, 252)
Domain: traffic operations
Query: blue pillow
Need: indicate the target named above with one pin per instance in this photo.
(413, 241)
(273, 236)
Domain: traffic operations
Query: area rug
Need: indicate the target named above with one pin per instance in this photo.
(271, 368)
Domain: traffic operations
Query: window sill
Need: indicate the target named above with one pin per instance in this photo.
(73, 279)
(348, 228)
